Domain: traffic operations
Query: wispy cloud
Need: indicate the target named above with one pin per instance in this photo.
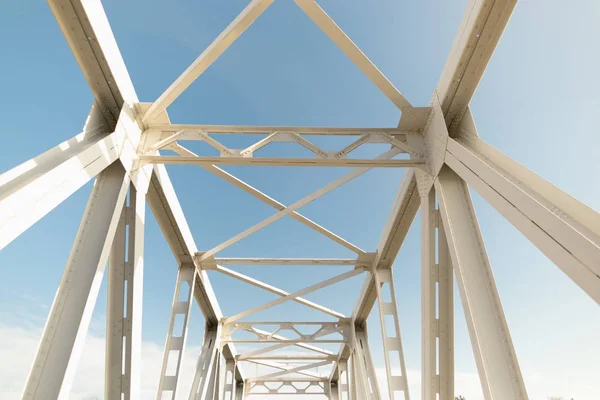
(19, 342)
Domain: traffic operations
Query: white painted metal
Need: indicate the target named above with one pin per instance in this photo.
(272, 202)
(33, 189)
(298, 204)
(323, 21)
(295, 294)
(273, 289)
(177, 335)
(362, 355)
(205, 385)
(344, 384)
(282, 162)
(56, 360)
(477, 37)
(88, 33)
(403, 212)
(391, 337)
(317, 262)
(287, 342)
(190, 132)
(283, 367)
(124, 309)
(437, 288)
(565, 230)
(499, 370)
(212, 52)
(288, 371)
(445, 323)
(340, 330)
(229, 383)
(287, 387)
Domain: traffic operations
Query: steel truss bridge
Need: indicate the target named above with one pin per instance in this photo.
(120, 146)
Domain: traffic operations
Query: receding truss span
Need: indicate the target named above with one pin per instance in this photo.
(124, 145)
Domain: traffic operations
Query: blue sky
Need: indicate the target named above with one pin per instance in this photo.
(537, 102)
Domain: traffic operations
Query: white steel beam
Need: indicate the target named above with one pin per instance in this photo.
(169, 215)
(362, 355)
(245, 356)
(272, 202)
(86, 29)
(343, 382)
(206, 379)
(296, 294)
(55, 363)
(565, 230)
(31, 190)
(208, 56)
(477, 38)
(337, 35)
(298, 204)
(124, 309)
(291, 357)
(277, 291)
(391, 337)
(281, 161)
(403, 213)
(308, 262)
(437, 305)
(288, 371)
(495, 356)
(445, 330)
(190, 131)
(229, 382)
(177, 336)
(282, 367)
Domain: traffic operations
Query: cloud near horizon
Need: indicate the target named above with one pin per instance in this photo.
(19, 344)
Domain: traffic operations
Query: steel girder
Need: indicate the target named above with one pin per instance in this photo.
(120, 146)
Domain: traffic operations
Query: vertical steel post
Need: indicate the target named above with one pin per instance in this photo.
(124, 309)
(177, 334)
(392, 341)
(229, 382)
(436, 306)
(206, 379)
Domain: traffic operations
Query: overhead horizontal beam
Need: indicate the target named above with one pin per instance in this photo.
(188, 130)
(287, 261)
(282, 162)
(292, 357)
(351, 50)
(208, 56)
